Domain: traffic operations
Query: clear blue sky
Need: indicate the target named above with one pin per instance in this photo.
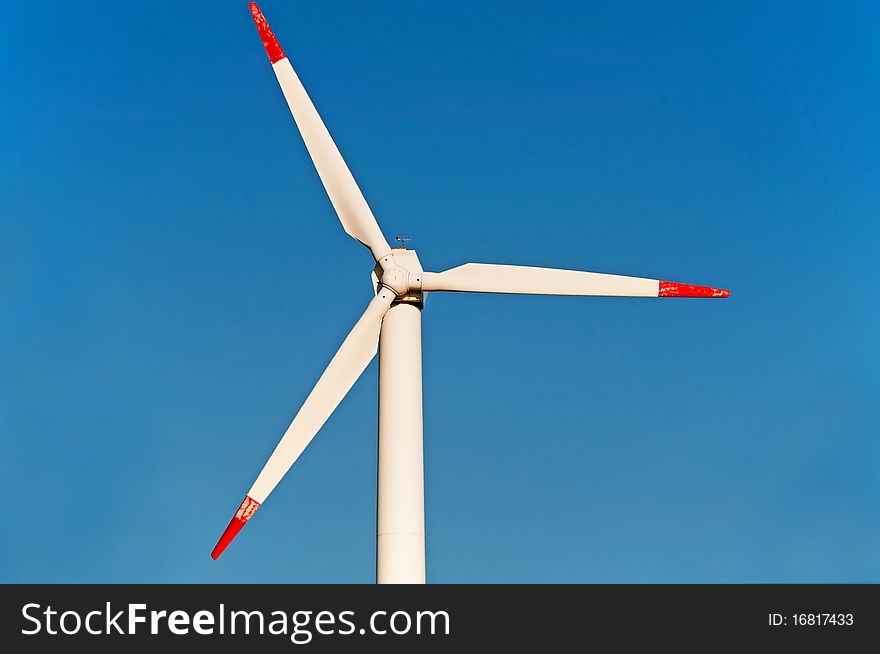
(173, 280)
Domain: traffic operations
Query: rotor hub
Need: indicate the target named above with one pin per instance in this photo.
(396, 279)
(401, 281)
(400, 273)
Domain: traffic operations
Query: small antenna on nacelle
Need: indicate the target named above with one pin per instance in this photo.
(402, 239)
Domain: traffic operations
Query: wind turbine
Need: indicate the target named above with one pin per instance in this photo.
(392, 320)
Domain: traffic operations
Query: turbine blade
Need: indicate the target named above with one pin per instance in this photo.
(347, 199)
(490, 278)
(353, 356)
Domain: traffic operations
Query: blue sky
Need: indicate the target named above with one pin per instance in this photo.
(173, 280)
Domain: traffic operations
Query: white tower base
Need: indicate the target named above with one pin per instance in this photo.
(400, 545)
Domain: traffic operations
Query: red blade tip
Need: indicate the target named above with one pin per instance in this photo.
(674, 289)
(273, 48)
(244, 513)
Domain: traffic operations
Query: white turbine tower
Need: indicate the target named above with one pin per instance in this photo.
(392, 319)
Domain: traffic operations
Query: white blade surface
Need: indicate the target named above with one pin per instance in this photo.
(491, 278)
(353, 356)
(347, 199)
